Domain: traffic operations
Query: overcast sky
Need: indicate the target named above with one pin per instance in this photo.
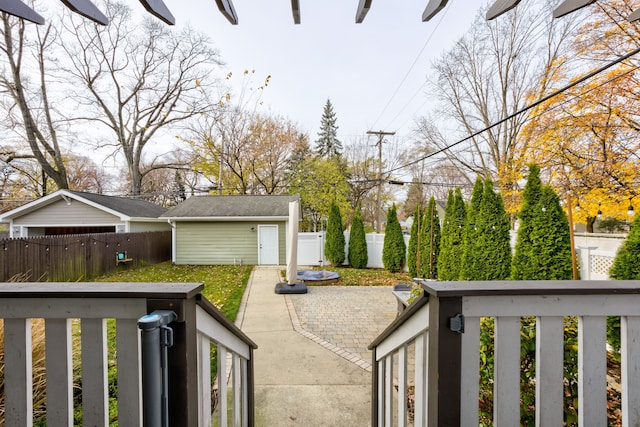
(358, 66)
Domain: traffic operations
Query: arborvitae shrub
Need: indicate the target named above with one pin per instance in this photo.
(334, 245)
(550, 254)
(430, 242)
(530, 197)
(394, 249)
(492, 249)
(412, 255)
(470, 233)
(358, 257)
(451, 241)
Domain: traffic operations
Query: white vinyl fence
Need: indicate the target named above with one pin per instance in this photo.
(595, 251)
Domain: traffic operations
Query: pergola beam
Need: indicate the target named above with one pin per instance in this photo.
(158, 9)
(569, 6)
(295, 9)
(21, 10)
(432, 9)
(226, 8)
(500, 7)
(363, 9)
(634, 16)
(88, 10)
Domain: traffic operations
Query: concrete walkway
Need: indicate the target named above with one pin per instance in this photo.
(301, 377)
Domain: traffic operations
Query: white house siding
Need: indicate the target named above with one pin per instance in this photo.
(212, 243)
(61, 213)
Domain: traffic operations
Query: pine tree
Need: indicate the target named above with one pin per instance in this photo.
(530, 198)
(451, 243)
(470, 233)
(493, 245)
(550, 254)
(430, 242)
(394, 249)
(412, 257)
(327, 144)
(334, 245)
(358, 256)
(178, 192)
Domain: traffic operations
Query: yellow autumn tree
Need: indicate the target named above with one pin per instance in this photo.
(585, 139)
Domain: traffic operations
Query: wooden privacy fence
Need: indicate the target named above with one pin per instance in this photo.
(79, 256)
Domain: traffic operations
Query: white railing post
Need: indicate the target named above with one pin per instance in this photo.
(428, 324)
(18, 382)
(630, 349)
(234, 370)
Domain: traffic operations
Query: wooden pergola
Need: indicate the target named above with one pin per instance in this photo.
(157, 8)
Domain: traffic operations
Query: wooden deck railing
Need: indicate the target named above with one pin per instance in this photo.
(199, 325)
(433, 350)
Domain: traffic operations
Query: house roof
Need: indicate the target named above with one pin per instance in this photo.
(236, 208)
(123, 207)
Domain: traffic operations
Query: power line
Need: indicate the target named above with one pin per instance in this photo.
(415, 61)
(523, 110)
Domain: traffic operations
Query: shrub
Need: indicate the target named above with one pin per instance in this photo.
(413, 258)
(394, 249)
(430, 242)
(492, 246)
(550, 243)
(470, 233)
(334, 246)
(358, 257)
(530, 197)
(451, 242)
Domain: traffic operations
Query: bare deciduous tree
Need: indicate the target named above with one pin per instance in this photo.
(24, 86)
(497, 68)
(138, 81)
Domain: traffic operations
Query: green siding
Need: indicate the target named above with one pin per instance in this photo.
(213, 243)
(61, 213)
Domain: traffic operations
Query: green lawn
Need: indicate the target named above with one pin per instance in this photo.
(223, 284)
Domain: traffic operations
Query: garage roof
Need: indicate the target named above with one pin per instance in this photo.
(232, 208)
(123, 207)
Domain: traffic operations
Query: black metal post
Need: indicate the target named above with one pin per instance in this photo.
(156, 338)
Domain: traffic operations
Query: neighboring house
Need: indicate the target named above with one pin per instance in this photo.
(230, 230)
(75, 212)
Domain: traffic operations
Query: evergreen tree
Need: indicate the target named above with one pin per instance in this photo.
(470, 233)
(530, 198)
(327, 144)
(394, 249)
(493, 246)
(429, 242)
(451, 243)
(626, 265)
(550, 254)
(334, 245)
(412, 257)
(178, 192)
(358, 256)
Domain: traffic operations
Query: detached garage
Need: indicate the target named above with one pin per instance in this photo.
(76, 212)
(210, 230)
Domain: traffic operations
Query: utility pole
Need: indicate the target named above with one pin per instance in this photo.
(379, 144)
